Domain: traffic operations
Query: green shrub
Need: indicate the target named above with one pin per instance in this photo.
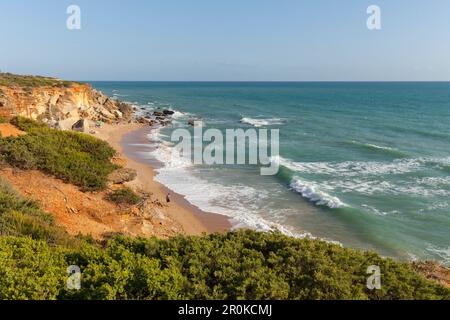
(9, 79)
(123, 196)
(30, 269)
(237, 265)
(240, 265)
(74, 157)
(27, 124)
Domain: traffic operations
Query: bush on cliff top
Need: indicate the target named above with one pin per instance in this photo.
(74, 157)
(237, 265)
(10, 80)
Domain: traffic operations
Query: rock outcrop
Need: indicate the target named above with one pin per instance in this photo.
(122, 175)
(61, 106)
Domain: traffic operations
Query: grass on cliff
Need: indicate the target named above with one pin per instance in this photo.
(35, 255)
(77, 158)
(11, 80)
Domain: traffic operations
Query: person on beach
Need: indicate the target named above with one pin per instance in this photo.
(168, 198)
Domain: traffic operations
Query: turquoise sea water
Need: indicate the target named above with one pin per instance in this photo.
(363, 164)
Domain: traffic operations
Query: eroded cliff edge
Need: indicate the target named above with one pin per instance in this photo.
(58, 103)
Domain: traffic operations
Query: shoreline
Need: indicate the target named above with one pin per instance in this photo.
(125, 139)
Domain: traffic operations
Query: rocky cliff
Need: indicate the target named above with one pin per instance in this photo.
(60, 105)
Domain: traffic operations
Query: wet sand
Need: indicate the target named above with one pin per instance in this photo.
(130, 140)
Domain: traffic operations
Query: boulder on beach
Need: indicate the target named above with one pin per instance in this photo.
(66, 124)
(81, 125)
(144, 120)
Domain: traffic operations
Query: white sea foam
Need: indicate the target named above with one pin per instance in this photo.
(373, 186)
(361, 168)
(434, 181)
(354, 168)
(169, 157)
(261, 122)
(178, 114)
(369, 178)
(371, 145)
(155, 136)
(311, 191)
(442, 253)
(439, 205)
(239, 202)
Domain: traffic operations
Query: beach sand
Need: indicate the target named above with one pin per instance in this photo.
(124, 138)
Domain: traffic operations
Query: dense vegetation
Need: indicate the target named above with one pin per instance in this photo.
(9, 79)
(74, 157)
(35, 253)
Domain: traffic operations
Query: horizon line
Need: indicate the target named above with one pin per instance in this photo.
(275, 81)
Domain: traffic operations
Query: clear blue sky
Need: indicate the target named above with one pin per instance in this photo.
(227, 40)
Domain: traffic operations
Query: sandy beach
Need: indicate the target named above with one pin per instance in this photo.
(193, 220)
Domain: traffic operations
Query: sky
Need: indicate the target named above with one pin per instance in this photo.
(227, 40)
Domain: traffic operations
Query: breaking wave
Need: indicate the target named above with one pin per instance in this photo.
(261, 122)
(310, 191)
(362, 168)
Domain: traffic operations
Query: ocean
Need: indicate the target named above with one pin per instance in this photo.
(366, 165)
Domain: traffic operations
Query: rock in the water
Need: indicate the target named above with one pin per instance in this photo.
(165, 122)
(168, 112)
(143, 120)
(122, 175)
(159, 114)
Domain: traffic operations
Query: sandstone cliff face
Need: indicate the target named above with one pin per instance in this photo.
(61, 106)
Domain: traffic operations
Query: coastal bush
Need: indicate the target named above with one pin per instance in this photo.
(237, 265)
(26, 124)
(123, 196)
(74, 157)
(10, 80)
(30, 269)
